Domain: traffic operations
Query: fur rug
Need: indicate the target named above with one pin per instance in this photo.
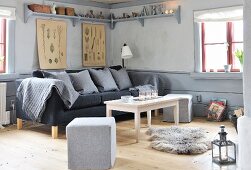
(179, 140)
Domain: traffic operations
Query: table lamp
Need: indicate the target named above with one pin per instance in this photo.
(125, 54)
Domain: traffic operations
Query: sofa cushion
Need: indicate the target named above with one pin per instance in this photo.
(114, 95)
(103, 79)
(83, 83)
(121, 78)
(87, 100)
(63, 76)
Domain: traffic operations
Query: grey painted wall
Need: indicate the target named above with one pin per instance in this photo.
(162, 44)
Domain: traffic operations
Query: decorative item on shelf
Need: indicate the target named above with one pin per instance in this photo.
(125, 54)
(227, 68)
(40, 8)
(144, 11)
(171, 11)
(135, 14)
(100, 16)
(223, 150)
(70, 11)
(60, 10)
(112, 16)
(53, 9)
(153, 10)
(160, 9)
(91, 15)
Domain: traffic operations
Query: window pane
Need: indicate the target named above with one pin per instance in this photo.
(216, 56)
(2, 31)
(215, 32)
(238, 31)
(236, 62)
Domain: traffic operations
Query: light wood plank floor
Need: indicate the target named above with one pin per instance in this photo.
(32, 148)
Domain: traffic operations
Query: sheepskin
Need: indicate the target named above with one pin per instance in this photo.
(179, 140)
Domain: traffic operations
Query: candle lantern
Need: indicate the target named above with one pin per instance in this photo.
(223, 150)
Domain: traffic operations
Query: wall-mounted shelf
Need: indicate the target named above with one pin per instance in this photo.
(142, 18)
(28, 14)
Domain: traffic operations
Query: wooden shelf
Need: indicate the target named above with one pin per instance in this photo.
(28, 14)
(142, 18)
(75, 19)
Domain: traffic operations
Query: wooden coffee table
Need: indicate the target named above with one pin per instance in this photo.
(138, 107)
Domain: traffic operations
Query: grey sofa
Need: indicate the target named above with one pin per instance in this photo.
(89, 105)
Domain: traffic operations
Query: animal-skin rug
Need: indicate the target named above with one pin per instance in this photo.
(179, 140)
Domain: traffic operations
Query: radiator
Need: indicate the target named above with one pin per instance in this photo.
(4, 116)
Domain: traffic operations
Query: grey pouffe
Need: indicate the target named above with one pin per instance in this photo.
(91, 143)
(185, 108)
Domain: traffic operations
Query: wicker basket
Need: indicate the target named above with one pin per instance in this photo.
(40, 8)
(60, 10)
(70, 11)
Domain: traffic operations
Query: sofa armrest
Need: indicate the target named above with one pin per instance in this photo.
(139, 78)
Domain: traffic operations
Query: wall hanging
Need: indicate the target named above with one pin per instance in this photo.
(51, 41)
(94, 46)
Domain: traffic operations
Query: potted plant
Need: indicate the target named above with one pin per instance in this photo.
(240, 55)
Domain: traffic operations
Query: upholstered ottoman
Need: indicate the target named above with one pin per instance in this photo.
(186, 114)
(91, 143)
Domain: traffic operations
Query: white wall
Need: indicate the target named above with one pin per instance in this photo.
(26, 57)
(162, 44)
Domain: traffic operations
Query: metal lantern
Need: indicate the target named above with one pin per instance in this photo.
(223, 150)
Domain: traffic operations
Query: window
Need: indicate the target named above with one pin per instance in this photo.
(2, 45)
(219, 41)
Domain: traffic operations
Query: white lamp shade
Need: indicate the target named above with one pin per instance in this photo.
(126, 52)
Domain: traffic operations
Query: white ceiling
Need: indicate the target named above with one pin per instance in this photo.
(112, 1)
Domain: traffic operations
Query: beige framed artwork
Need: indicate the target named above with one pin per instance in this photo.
(51, 42)
(94, 46)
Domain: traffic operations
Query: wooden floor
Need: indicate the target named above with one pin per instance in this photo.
(33, 148)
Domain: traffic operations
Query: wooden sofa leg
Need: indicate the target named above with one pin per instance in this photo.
(54, 132)
(19, 123)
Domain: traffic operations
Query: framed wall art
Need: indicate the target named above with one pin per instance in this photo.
(94, 46)
(51, 42)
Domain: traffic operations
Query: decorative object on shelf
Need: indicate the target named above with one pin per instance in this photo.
(91, 14)
(223, 150)
(101, 16)
(94, 45)
(53, 9)
(153, 10)
(60, 10)
(144, 11)
(51, 41)
(40, 8)
(70, 11)
(216, 110)
(126, 53)
(227, 68)
(171, 11)
(135, 14)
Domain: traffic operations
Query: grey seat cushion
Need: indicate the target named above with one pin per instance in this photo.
(63, 76)
(103, 79)
(83, 83)
(114, 95)
(121, 78)
(87, 100)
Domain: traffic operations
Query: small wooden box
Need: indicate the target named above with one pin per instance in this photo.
(70, 11)
(60, 10)
(40, 8)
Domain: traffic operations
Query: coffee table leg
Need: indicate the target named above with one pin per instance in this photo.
(176, 113)
(149, 117)
(108, 112)
(137, 125)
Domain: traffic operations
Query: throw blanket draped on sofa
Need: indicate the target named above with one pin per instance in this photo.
(34, 92)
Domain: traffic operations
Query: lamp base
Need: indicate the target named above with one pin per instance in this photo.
(123, 63)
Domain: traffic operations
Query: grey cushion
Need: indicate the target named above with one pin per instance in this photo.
(87, 100)
(82, 82)
(63, 76)
(121, 78)
(103, 79)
